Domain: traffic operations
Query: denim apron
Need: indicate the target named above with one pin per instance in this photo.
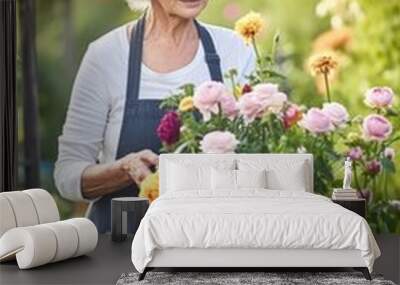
(141, 118)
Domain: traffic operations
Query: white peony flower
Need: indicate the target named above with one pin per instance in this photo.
(219, 142)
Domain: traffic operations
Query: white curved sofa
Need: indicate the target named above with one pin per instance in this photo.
(31, 231)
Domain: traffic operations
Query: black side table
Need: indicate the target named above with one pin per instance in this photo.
(119, 215)
(358, 206)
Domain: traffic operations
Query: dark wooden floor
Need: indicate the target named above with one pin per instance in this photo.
(389, 262)
(103, 266)
(110, 260)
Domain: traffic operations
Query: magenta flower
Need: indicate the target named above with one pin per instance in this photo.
(168, 129)
(373, 167)
(246, 88)
(376, 128)
(379, 97)
(291, 116)
(355, 153)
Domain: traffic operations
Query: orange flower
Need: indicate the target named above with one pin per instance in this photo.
(333, 40)
(322, 63)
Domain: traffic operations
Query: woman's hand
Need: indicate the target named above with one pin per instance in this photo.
(139, 165)
(103, 179)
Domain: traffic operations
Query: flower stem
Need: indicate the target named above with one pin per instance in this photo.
(253, 42)
(356, 178)
(233, 82)
(385, 185)
(275, 47)
(328, 93)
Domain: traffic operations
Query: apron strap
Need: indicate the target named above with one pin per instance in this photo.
(135, 63)
(211, 57)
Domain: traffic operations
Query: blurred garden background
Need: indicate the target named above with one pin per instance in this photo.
(364, 34)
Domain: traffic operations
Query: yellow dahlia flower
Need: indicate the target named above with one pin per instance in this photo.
(186, 104)
(149, 188)
(249, 26)
(238, 91)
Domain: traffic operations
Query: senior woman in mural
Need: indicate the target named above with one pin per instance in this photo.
(109, 142)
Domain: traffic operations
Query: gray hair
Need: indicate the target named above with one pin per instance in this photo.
(138, 4)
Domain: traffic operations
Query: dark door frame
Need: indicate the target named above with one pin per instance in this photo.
(29, 92)
(8, 110)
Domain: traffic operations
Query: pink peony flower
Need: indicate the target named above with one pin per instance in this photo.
(355, 153)
(168, 129)
(251, 106)
(273, 99)
(292, 115)
(316, 121)
(337, 113)
(373, 167)
(379, 97)
(266, 88)
(219, 142)
(228, 106)
(264, 98)
(389, 153)
(207, 96)
(376, 128)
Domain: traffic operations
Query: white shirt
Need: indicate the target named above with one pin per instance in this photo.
(92, 127)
